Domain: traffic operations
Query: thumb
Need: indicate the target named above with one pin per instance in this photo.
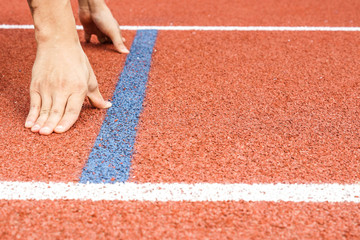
(97, 100)
(94, 95)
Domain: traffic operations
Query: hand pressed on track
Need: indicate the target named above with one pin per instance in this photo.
(97, 19)
(61, 79)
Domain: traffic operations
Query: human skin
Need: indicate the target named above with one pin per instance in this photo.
(62, 76)
(97, 19)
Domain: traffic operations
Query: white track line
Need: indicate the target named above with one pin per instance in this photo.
(181, 192)
(214, 28)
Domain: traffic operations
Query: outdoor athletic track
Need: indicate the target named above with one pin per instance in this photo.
(230, 120)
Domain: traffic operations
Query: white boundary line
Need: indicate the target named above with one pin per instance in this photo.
(180, 192)
(214, 28)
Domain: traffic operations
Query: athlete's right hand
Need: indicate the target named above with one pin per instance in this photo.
(61, 79)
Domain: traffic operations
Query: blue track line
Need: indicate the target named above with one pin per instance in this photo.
(110, 158)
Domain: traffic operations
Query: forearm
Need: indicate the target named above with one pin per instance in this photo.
(54, 21)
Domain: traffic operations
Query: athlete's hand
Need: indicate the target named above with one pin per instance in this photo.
(61, 79)
(97, 19)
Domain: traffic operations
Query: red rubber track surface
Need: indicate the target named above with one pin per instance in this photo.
(26, 156)
(209, 12)
(176, 220)
(251, 107)
(220, 107)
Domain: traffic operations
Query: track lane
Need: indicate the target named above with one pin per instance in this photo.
(251, 107)
(156, 220)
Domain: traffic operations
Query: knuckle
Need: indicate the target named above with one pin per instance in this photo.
(33, 90)
(80, 87)
(93, 86)
(35, 107)
(97, 15)
(35, 84)
(55, 111)
(72, 111)
(44, 111)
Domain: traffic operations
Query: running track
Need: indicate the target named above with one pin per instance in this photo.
(227, 134)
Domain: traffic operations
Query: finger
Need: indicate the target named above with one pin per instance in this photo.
(87, 37)
(94, 95)
(56, 113)
(46, 103)
(103, 39)
(118, 41)
(35, 105)
(123, 39)
(109, 26)
(97, 100)
(72, 111)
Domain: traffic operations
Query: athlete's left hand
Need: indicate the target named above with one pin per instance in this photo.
(96, 18)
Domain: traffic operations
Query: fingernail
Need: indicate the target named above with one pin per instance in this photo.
(59, 128)
(124, 50)
(35, 128)
(108, 104)
(45, 130)
(28, 124)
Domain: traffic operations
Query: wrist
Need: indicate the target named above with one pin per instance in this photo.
(50, 38)
(54, 22)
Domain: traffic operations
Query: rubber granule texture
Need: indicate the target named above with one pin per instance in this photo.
(26, 156)
(209, 12)
(110, 158)
(251, 107)
(151, 220)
